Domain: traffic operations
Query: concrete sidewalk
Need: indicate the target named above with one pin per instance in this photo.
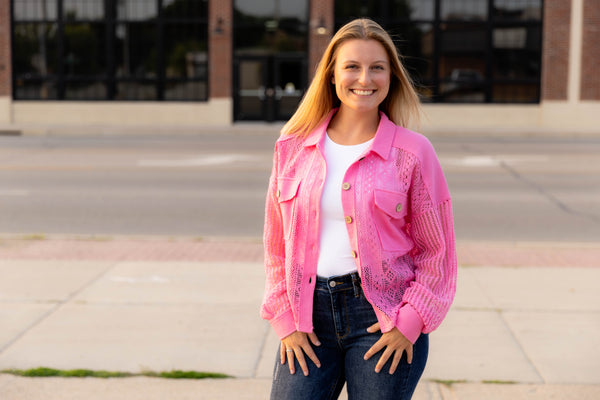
(514, 332)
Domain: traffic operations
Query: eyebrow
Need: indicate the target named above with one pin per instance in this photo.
(374, 62)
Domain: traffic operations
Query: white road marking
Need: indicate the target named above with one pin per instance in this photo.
(14, 192)
(203, 161)
(492, 161)
(146, 279)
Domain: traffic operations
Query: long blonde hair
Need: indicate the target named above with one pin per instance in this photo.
(401, 105)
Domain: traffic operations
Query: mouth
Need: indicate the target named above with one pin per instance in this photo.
(362, 92)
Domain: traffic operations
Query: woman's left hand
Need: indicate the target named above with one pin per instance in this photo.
(394, 343)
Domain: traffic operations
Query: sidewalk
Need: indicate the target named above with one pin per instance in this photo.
(524, 324)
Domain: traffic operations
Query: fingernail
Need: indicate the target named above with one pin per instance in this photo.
(318, 365)
(305, 373)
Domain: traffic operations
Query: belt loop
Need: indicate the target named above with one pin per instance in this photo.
(356, 284)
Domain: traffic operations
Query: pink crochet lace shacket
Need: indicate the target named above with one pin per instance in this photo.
(400, 229)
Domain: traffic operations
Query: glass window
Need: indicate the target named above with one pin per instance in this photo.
(185, 51)
(85, 90)
(184, 9)
(35, 10)
(465, 10)
(84, 49)
(136, 50)
(357, 8)
(415, 46)
(517, 10)
(83, 10)
(35, 89)
(137, 10)
(516, 52)
(413, 9)
(35, 49)
(257, 10)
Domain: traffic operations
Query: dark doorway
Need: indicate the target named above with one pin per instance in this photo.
(268, 87)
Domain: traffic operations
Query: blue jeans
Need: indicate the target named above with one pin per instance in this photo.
(341, 316)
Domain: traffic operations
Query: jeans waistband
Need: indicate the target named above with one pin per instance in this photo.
(340, 283)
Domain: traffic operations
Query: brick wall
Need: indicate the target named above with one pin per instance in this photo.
(555, 49)
(590, 78)
(321, 13)
(220, 40)
(5, 64)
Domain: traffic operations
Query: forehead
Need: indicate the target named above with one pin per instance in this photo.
(362, 50)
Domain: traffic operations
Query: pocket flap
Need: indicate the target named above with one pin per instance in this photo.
(287, 188)
(394, 204)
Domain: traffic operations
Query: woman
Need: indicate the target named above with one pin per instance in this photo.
(359, 237)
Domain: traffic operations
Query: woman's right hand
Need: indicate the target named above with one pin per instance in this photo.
(295, 346)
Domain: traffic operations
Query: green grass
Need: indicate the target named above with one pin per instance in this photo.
(44, 372)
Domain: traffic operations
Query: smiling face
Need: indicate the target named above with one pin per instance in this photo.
(361, 75)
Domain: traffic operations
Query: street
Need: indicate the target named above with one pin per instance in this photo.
(213, 184)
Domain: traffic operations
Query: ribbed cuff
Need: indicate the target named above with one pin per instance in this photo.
(409, 322)
(284, 324)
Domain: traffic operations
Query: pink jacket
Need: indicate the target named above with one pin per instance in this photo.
(401, 230)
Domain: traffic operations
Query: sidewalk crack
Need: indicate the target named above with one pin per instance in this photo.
(54, 309)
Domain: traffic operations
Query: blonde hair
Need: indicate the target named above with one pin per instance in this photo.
(401, 105)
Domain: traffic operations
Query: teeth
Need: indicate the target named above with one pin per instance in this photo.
(362, 92)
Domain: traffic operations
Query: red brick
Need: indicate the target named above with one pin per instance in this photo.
(555, 49)
(590, 79)
(220, 40)
(321, 14)
(5, 63)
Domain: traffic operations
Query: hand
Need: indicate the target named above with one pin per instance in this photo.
(395, 343)
(296, 345)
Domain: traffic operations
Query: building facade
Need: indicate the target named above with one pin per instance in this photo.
(476, 63)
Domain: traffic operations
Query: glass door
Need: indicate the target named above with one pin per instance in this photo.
(269, 87)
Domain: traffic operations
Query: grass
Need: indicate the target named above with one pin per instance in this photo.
(44, 372)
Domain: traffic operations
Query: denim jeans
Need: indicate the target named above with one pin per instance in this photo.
(341, 316)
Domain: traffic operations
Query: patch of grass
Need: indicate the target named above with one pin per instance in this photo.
(34, 236)
(44, 372)
(448, 382)
(497, 382)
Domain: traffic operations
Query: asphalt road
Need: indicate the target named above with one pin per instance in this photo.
(213, 184)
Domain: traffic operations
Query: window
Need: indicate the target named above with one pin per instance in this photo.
(462, 51)
(110, 50)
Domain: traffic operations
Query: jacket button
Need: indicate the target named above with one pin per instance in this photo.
(354, 254)
(345, 186)
(348, 219)
(332, 284)
(399, 208)
(278, 193)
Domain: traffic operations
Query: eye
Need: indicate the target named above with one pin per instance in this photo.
(379, 67)
(351, 66)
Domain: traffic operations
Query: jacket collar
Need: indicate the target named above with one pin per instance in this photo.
(384, 137)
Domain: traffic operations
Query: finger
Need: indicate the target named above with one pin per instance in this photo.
(373, 328)
(302, 362)
(282, 353)
(374, 349)
(314, 339)
(291, 364)
(311, 354)
(396, 360)
(409, 353)
(382, 360)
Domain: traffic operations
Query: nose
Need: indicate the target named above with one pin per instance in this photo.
(364, 77)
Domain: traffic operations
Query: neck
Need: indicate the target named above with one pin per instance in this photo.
(349, 127)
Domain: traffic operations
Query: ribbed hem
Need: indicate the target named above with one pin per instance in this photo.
(409, 322)
(284, 324)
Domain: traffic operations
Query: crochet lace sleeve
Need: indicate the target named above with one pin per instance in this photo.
(275, 306)
(434, 255)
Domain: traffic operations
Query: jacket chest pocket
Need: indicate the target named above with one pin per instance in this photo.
(391, 209)
(287, 193)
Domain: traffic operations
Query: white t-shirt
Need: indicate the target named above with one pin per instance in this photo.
(335, 254)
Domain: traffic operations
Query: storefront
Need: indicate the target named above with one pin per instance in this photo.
(216, 62)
